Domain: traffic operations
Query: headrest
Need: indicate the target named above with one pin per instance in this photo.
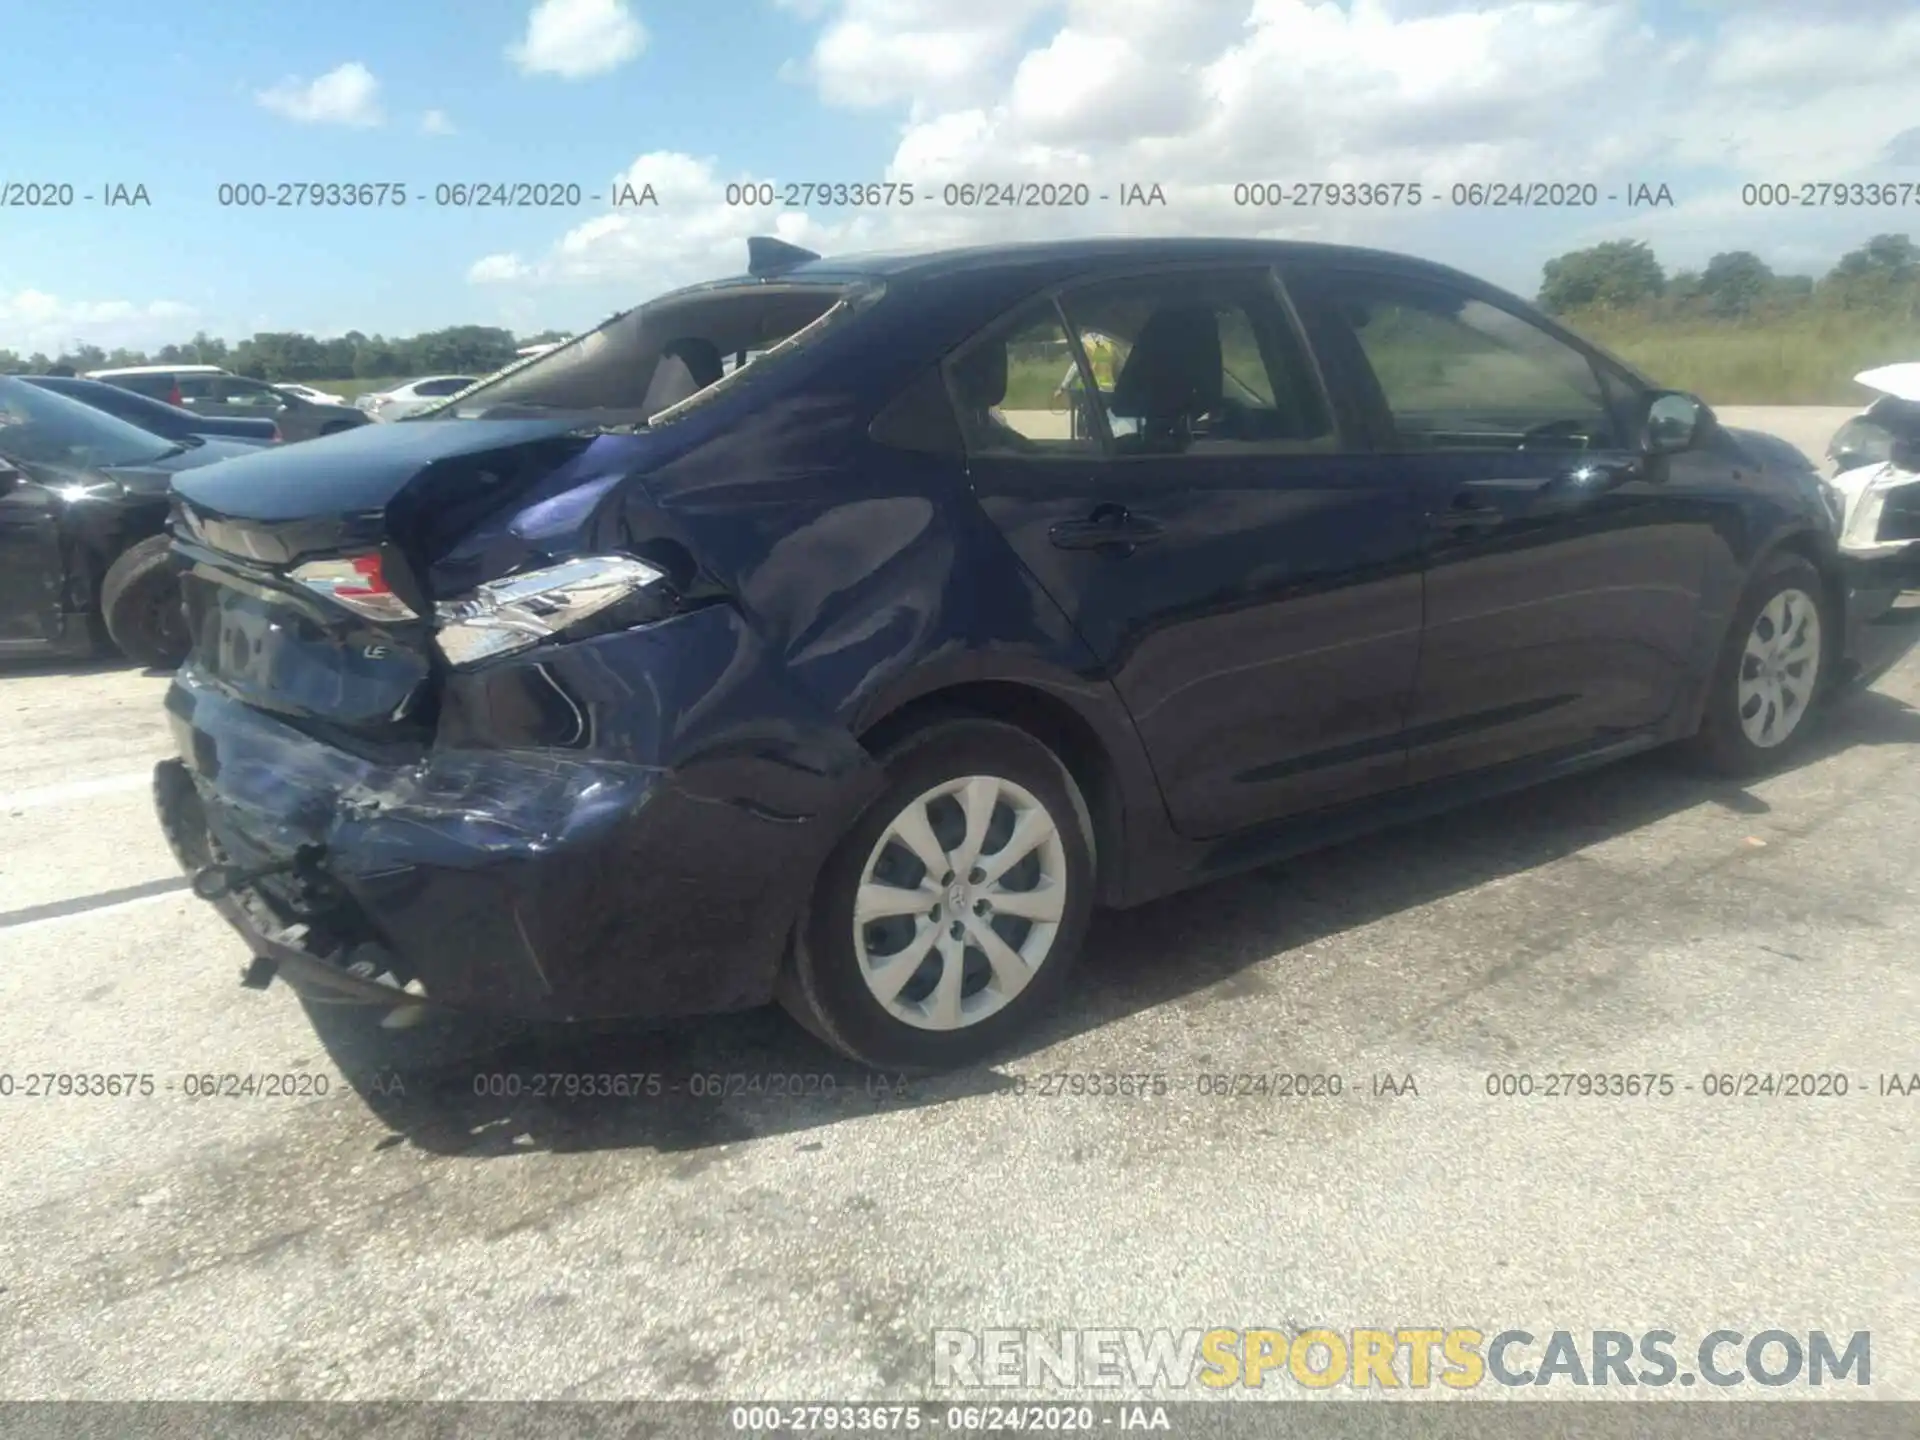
(1174, 368)
(981, 377)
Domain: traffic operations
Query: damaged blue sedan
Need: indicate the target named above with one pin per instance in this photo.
(804, 637)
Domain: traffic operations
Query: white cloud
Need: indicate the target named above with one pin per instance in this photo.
(930, 52)
(577, 38)
(346, 95)
(496, 269)
(1198, 96)
(691, 234)
(435, 122)
(33, 320)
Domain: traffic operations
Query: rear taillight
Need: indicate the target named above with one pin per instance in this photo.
(519, 611)
(357, 583)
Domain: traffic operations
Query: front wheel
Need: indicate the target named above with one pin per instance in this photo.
(949, 917)
(140, 603)
(1770, 672)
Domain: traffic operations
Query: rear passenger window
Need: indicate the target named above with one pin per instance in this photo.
(1014, 390)
(1200, 364)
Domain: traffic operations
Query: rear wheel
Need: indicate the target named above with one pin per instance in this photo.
(1770, 672)
(949, 917)
(140, 603)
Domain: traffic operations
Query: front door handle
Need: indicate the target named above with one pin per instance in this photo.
(1467, 513)
(1111, 528)
(1578, 484)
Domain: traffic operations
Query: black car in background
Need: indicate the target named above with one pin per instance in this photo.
(235, 396)
(84, 558)
(172, 421)
(855, 675)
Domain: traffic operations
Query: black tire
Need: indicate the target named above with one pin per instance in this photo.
(822, 986)
(1722, 742)
(140, 602)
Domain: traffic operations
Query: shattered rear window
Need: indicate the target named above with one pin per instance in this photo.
(649, 364)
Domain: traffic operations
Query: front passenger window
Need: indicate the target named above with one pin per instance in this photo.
(1459, 374)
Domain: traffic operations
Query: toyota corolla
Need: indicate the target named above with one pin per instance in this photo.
(803, 636)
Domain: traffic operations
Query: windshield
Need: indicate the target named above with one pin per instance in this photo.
(39, 427)
(649, 363)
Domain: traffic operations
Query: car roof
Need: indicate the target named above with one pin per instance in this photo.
(157, 370)
(1069, 257)
(83, 384)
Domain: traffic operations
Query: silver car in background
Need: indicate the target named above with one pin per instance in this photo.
(310, 395)
(414, 396)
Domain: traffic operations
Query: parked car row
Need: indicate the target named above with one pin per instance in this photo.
(209, 390)
(83, 502)
(84, 558)
(854, 676)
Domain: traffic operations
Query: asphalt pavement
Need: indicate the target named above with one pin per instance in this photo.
(804, 1237)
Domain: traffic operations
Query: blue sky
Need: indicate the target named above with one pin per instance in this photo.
(1194, 94)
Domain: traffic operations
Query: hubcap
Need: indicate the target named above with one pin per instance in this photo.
(1779, 668)
(960, 902)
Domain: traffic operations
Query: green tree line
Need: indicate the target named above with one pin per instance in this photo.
(288, 355)
(1881, 278)
(1737, 332)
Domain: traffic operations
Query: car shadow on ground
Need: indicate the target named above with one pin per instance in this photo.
(705, 1083)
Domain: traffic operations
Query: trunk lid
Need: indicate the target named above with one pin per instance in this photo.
(271, 538)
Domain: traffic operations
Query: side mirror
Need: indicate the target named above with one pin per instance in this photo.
(1675, 421)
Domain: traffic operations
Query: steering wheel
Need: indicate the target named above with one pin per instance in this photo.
(1226, 419)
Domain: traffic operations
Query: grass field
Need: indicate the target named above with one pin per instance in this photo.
(1804, 359)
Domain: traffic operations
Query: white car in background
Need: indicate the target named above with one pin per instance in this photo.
(311, 395)
(1876, 462)
(416, 395)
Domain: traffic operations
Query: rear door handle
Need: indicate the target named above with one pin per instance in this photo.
(1108, 528)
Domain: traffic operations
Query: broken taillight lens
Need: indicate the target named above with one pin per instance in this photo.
(357, 582)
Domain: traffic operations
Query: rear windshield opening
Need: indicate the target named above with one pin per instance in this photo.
(650, 362)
